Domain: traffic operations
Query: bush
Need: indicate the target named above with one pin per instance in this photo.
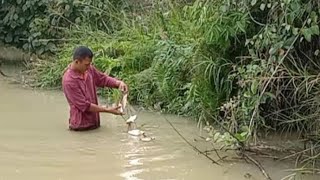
(246, 66)
(40, 25)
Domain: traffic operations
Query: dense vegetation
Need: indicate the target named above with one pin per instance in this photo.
(244, 65)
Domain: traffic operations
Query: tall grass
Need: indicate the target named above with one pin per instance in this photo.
(177, 63)
(245, 66)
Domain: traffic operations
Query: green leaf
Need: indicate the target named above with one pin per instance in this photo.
(240, 26)
(78, 20)
(295, 31)
(288, 42)
(253, 2)
(254, 86)
(262, 6)
(16, 39)
(288, 27)
(247, 95)
(223, 8)
(37, 34)
(272, 50)
(25, 46)
(244, 128)
(15, 17)
(240, 137)
(44, 43)
(307, 34)
(53, 21)
(67, 7)
(314, 17)
(269, 94)
(247, 42)
(13, 25)
(52, 47)
(40, 50)
(24, 7)
(244, 134)
(315, 29)
(269, 5)
(308, 7)
(35, 43)
(8, 38)
(216, 136)
(263, 99)
(22, 20)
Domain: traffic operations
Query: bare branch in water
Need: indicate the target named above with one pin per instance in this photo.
(246, 156)
(194, 147)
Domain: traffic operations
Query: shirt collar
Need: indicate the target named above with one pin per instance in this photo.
(76, 75)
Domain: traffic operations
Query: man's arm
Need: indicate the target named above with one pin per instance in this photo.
(113, 110)
(76, 97)
(103, 80)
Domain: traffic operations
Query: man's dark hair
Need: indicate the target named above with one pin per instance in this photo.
(82, 52)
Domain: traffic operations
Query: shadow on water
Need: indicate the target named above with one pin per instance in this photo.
(35, 144)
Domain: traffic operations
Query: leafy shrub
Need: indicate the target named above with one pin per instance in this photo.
(40, 25)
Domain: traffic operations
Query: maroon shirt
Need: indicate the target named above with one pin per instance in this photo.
(80, 91)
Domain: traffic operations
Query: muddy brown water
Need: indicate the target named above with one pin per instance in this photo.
(36, 144)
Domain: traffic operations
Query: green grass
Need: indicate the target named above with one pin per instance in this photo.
(235, 65)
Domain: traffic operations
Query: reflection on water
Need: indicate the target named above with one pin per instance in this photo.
(35, 144)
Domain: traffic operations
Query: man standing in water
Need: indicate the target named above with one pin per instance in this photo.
(79, 83)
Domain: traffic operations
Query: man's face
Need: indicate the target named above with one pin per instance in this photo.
(84, 64)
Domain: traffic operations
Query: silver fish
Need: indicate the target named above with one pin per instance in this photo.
(123, 102)
(147, 139)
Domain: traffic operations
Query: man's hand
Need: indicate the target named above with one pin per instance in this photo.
(114, 110)
(123, 87)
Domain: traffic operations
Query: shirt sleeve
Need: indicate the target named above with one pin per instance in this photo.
(103, 80)
(75, 96)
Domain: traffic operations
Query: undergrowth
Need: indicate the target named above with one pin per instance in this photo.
(246, 66)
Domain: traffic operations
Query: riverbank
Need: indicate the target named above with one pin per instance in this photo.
(244, 69)
(166, 157)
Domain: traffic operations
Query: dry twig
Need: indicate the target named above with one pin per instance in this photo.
(194, 147)
(257, 164)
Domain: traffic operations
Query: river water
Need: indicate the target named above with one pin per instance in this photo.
(36, 144)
